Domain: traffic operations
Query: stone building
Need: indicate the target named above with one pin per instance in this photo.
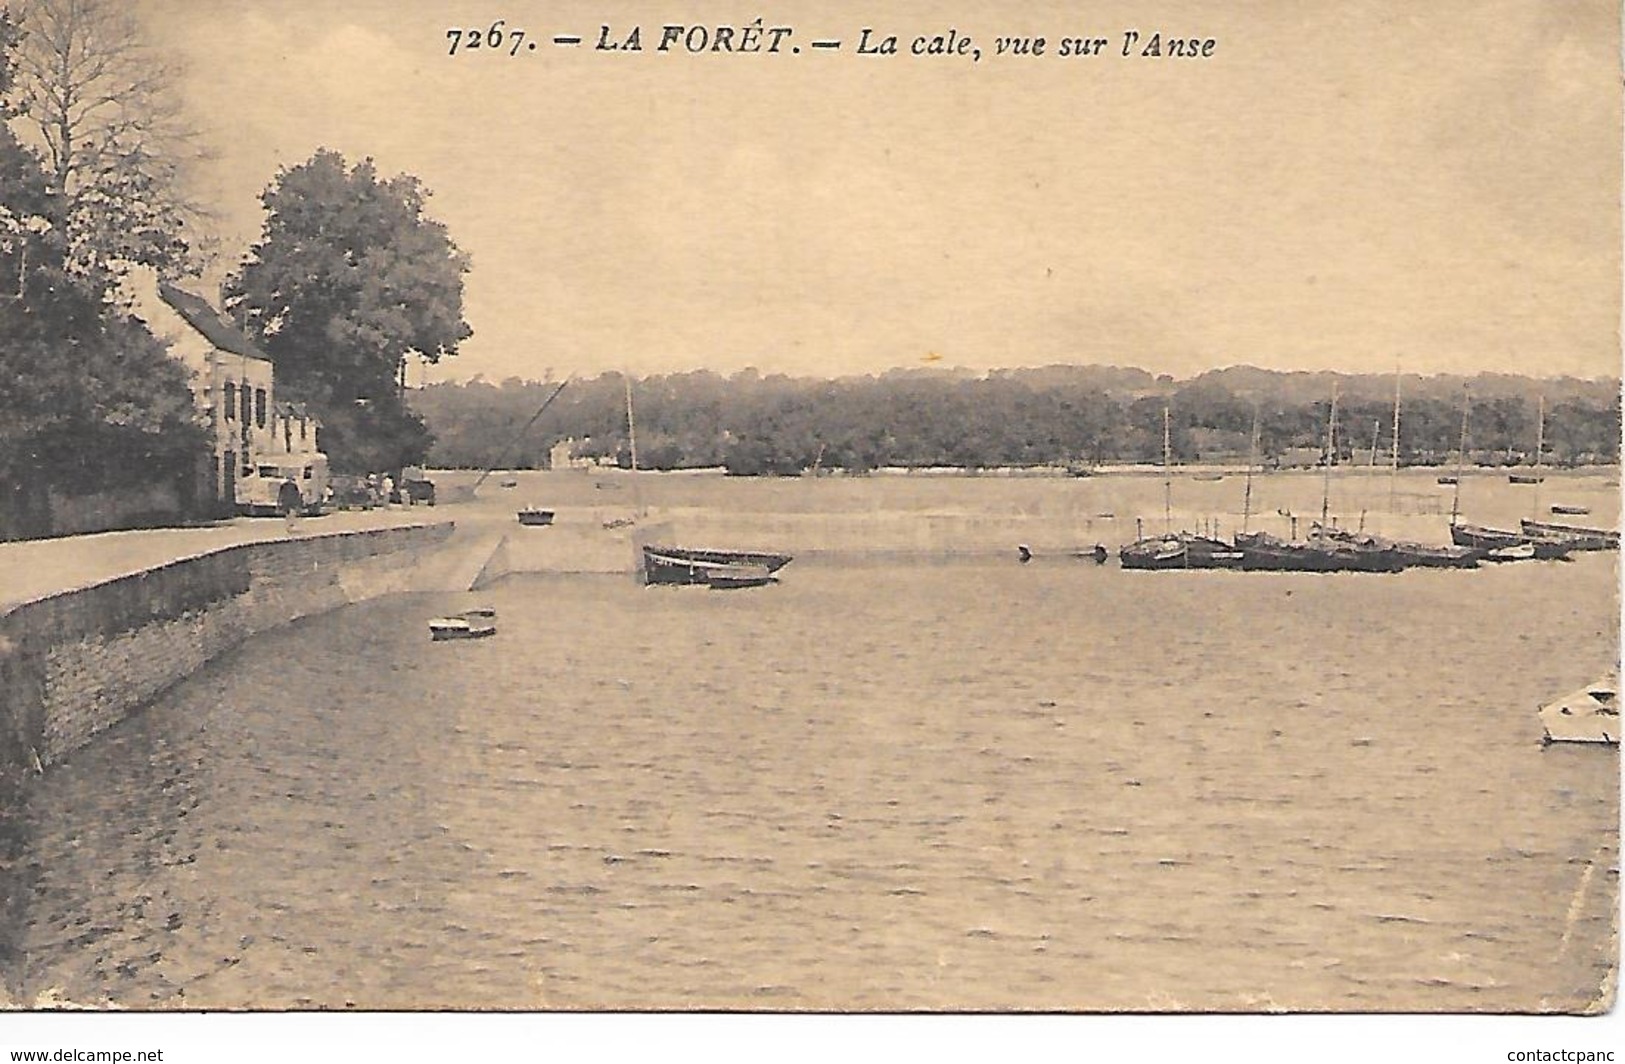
(257, 442)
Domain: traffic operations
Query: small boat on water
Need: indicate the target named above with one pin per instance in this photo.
(1589, 715)
(1157, 552)
(1177, 550)
(1208, 477)
(1524, 478)
(533, 517)
(508, 483)
(471, 624)
(1572, 511)
(1576, 536)
(722, 569)
(1449, 480)
(772, 560)
(1500, 543)
(1463, 534)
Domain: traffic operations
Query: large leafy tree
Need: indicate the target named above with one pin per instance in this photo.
(88, 397)
(350, 280)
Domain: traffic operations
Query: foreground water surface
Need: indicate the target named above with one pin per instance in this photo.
(967, 785)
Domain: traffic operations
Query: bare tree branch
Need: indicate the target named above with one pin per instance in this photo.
(101, 106)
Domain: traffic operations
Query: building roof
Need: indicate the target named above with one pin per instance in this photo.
(215, 326)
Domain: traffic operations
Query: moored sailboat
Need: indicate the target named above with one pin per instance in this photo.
(1498, 544)
(1319, 554)
(1175, 550)
(1409, 554)
(1323, 551)
(1535, 477)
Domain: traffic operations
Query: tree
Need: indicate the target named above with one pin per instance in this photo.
(350, 279)
(88, 398)
(101, 106)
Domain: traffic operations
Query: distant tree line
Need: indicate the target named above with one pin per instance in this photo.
(1052, 416)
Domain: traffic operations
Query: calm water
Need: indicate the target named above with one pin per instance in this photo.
(973, 785)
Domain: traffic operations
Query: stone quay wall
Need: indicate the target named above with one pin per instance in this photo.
(77, 662)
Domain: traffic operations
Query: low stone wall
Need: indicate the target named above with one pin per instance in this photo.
(77, 662)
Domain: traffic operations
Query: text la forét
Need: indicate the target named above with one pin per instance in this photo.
(750, 38)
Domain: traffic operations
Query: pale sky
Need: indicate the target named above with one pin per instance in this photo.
(1340, 186)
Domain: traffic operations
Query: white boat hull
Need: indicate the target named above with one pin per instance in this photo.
(459, 628)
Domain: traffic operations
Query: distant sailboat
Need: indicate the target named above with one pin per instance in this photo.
(1540, 446)
(1166, 551)
(1393, 452)
(1499, 545)
(1496, 541)
(1406, 554)
(1175, 550)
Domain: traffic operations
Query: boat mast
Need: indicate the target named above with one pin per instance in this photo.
(632, 445)
(1331, 442)
(1393, 452)
(631, 423)
(1461, 454)
(1167, 475)
(1540, 445)
(513, 443)
(1252, 460)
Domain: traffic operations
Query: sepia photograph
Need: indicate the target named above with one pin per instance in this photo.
(1070, 521)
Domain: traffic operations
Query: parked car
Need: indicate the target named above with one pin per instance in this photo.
(414, 487)
(351, 492)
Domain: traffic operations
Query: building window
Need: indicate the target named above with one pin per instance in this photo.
(248, 405)
(259, 407)
(301, 429)
(231, 401)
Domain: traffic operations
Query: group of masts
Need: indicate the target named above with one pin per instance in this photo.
(1329, 548)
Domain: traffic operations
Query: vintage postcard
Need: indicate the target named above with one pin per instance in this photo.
(919, 509)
